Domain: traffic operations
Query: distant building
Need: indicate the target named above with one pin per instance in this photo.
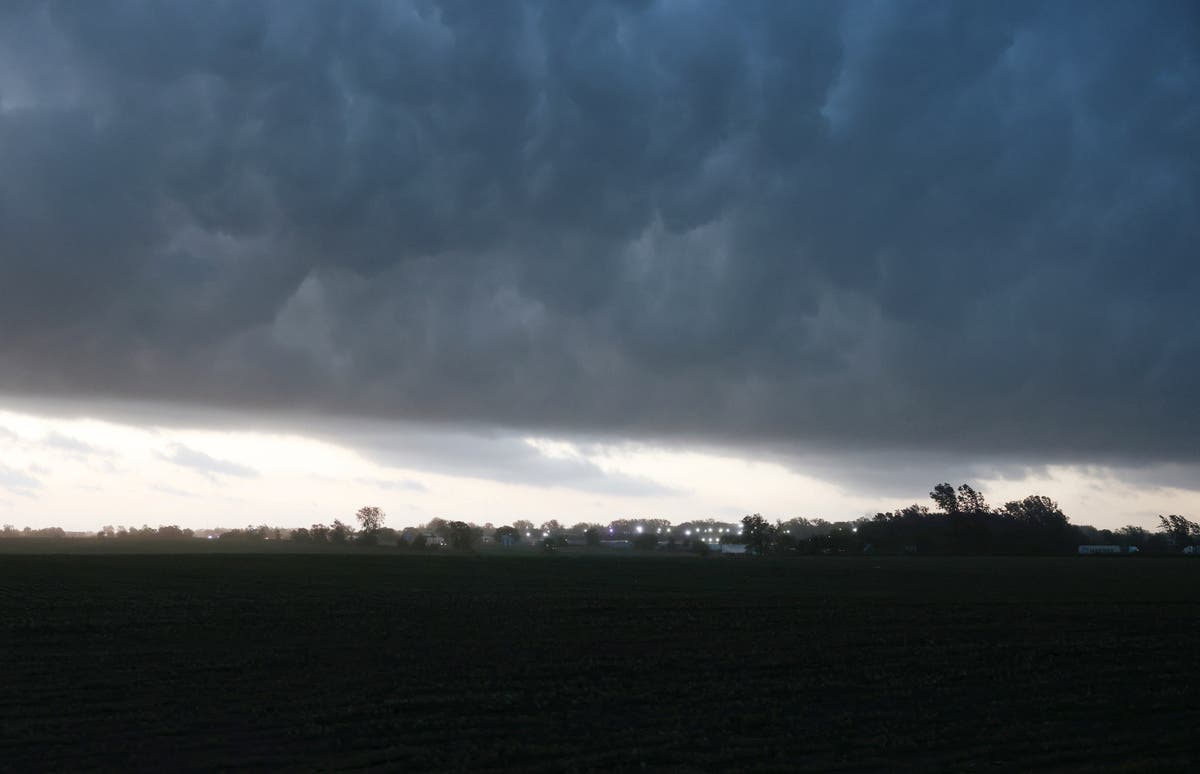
(431, 540)
(1099, 549)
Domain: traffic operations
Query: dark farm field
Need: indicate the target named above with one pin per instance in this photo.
(166, 662)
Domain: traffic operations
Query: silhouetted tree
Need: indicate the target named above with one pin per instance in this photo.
(419, 541)
(1036, 510)
(1044, 528)
(340, 532)
(370, 517)
(1132, 534)
(964, 524)
(592, 537)
(785, 542)
(30, 532)
(440, 528)
(646, 541)
(507, 536)
(968, 514)
(1181, 531)
(251, 533)
(1139, 537)
(758, 534)
(970, 501)
(944, 497)
(461, 535)
(626, 528)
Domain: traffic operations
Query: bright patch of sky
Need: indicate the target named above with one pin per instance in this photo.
(81, 474)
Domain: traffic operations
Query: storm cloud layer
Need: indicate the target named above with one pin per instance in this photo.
(951, 227)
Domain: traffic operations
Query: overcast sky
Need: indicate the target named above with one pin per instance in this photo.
(261, 261)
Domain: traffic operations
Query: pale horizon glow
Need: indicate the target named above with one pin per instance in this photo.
(85, 473)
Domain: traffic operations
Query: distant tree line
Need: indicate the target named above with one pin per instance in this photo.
(338, 533)
(9, 531)
(372, 532)
(960, 522)
(251, 534)
(170, 532)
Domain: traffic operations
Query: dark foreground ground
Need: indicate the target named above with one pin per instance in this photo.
(571, 663)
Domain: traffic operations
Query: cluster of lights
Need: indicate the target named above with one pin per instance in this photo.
(701, 532)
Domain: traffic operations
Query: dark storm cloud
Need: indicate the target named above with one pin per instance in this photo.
(958, 227)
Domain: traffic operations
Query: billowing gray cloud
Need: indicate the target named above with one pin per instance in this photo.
(946, 227)
(208, 466)
(488, 455)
